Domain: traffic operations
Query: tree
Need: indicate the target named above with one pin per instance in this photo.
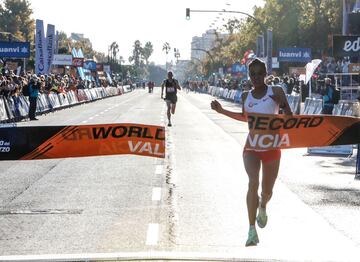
(64, 43)
(136, 54)
(137, 59)
(113, 51)
(15, 18)
(100, 57)
(166, 47)
(305, 23)
(232, 25)
(147, 51)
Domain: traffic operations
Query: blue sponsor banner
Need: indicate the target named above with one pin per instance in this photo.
(15, 49)
(294, 55)
(238, 68)
(90, 65)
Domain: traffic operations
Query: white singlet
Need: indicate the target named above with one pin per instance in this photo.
(264, 105)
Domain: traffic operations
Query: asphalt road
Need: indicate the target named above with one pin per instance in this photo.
(191, 201)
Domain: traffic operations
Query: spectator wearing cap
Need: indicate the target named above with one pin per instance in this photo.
(34, 87)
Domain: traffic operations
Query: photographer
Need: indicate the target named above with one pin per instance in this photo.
(34, 87)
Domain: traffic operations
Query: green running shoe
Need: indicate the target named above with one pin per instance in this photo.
(253, 238)
(261, 218)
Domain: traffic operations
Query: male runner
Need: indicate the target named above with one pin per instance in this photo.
(171, 85)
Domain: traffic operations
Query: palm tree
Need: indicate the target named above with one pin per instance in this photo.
(166, 48)
(115, 50)
(147, 51)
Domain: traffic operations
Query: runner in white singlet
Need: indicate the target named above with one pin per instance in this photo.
(265, 100)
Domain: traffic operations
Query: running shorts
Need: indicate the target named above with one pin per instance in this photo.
(264, 156)
(171, 99)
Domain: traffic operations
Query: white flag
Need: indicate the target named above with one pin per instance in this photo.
(310, 68)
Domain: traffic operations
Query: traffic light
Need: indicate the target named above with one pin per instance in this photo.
(187, 13)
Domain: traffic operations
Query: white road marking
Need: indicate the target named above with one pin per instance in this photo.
(156, 194)
(152, 235)
(85, 121)
(91, 118)
(158, 169)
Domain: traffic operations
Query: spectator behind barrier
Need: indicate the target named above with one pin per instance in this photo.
(328, 92)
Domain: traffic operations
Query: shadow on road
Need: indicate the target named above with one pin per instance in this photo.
(337, 196)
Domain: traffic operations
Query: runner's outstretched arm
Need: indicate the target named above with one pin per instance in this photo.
(215, 105)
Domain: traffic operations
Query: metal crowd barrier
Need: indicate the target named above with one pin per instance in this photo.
(343, 108)
(313, 106)
(235, 96)
(17, 107)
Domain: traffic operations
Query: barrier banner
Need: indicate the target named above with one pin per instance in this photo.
(45, 142)
(281, 131)
(3, 115)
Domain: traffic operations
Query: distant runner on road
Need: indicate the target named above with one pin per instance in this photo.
(261, 99)
(171, 86)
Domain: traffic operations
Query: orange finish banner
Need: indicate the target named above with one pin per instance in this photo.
(268, 132)
(44, 142)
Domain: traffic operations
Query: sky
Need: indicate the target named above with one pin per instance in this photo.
(126, 21)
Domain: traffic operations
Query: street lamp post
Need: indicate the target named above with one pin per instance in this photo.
(267, 33)
(166, 48)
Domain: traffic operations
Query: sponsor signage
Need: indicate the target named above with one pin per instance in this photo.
(40, 58)
(294, 55)
(78, 62)
(90, 65)
(238, 68)
(275, 62)
(62, 60)
(346, 45)
(268, 132)
(81, 141)
(354, 68)
(15, 49)
(50, 46)
(269, 51)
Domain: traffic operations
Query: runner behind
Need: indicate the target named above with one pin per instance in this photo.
(171, 86)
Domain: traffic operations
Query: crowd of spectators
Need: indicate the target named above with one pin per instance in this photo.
(13, 85)
(196, 86)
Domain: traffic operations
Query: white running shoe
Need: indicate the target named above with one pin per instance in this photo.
(262, 218)
(253, 238)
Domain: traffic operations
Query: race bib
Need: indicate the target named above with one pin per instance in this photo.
(170, 89)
